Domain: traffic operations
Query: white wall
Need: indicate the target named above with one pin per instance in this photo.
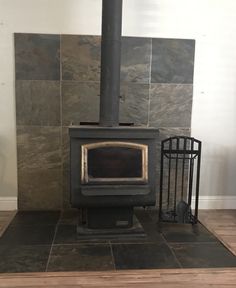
(210, 22)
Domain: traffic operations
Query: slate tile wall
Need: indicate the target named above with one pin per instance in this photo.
(57, 84)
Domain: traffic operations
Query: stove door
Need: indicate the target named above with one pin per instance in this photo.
(114, 162)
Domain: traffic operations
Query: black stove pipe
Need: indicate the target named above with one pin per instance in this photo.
(110, 62)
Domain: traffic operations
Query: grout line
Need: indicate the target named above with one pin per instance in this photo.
(173, 253)
(53, 240)
(95, 81)
(150, 85)
(81, 243)
(38, 80)
(112, 256)
(61, 81)
(193, 242)
(40, 126)
(61, 128)
(171, 84)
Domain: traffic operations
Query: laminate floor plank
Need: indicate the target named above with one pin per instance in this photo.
(222, 223)
(164, 278)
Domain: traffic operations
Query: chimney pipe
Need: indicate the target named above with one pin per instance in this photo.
(110, 62)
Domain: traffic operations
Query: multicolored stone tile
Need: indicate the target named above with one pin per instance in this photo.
(135, 59)
(39, 147)
(170, 105)
(37, 56)
(172, 60)
(80, 57)
(38, 103)
(80, 102)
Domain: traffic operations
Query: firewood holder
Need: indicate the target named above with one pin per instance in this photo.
(179, 179)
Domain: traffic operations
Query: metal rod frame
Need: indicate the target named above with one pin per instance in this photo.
(177, 149)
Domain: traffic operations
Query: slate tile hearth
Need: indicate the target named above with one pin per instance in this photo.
(47, 241)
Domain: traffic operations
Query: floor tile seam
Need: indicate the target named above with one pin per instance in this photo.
(212, 241)
(172, 251)
(59, 218)
(112, 256)
(195, 243)
(174, 255)
(143, 243)
(50, 252)
(32, 225)
(24, 245)
(105, 243)
(132, 243)
(163, 238)
(79, 244)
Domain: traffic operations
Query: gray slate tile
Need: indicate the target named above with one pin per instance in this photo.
(66, 189)
(39, 147)
(26, 218)
(172, 60)
(80, 57)
(38, 103)
(203, 255)
(175, 232)
(28, 235)
(135, 59)
(37, 56)
(170, 105)
(40, 189)
(24, 258)
(80, 102)
(143, 256)
(81, 258)
(134, 103)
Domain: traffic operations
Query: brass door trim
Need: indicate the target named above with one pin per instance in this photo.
(84, 164)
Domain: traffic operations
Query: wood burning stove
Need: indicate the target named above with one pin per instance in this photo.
(112, 166)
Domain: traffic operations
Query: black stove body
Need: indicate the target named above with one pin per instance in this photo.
(112, 167)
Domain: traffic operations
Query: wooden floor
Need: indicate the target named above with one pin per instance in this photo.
(194, 278)
(222, 223)
(5, 220)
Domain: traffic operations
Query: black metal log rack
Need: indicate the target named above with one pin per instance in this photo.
(179, 179)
